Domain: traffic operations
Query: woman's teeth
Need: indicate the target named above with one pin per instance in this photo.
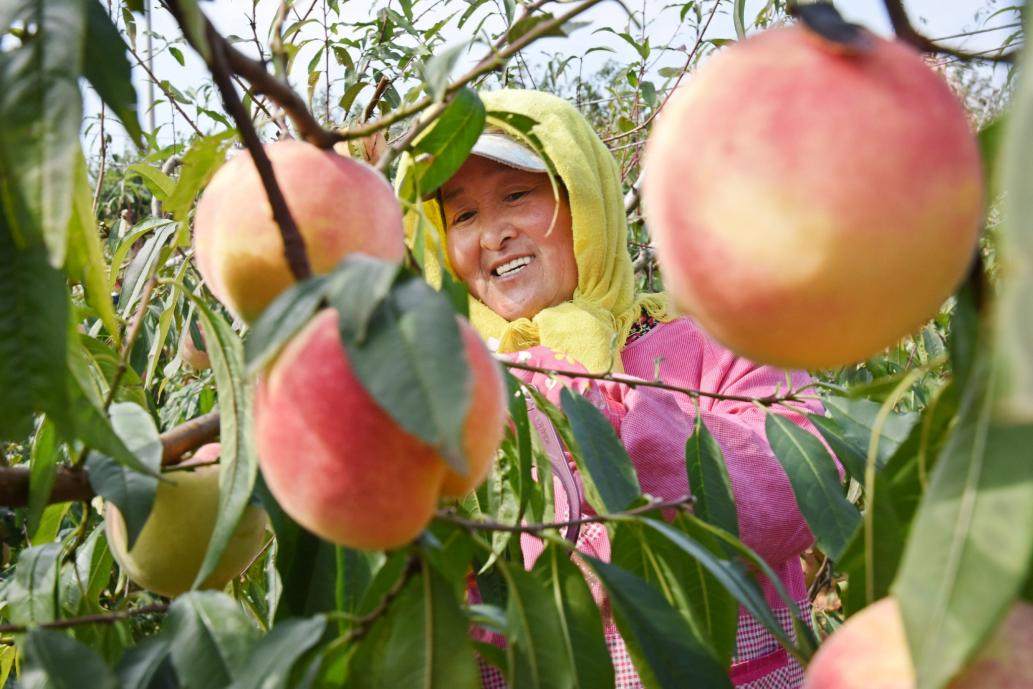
(512, 266)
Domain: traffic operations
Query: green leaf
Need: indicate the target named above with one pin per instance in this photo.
(1013, 328)
(54, 660)
(438, 69)
(600, 454)
(535, 649)
(146, 664)
(282, 319)
(738, 18)
(661, 644)
(238, 459)
(855, 419)
(105, 362)
(133, 492)
(701, 598)
(92, 573)
(32, 592)
(274, 656)
(211, 638)
(46, 451)
(157, 182)
(306, 564)
(581, 625)
(815, 481)
(412, 361)
(205, 156)
(107, 69)
(33, 337)
(143, 266)
(178, 54)
(967, 555)
(440, 152)
(730, 573)
(93, 428)
(422, 641)
(41, 108)
(708, 479)
(194, 24)
(85, 255)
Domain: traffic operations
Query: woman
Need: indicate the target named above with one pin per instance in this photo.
(549, 276)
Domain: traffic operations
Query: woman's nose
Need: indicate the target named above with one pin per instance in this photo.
(495, 235)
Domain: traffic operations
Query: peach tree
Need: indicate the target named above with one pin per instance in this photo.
(104, 399)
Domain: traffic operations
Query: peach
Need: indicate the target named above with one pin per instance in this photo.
(870, 652)
(170, 548)
(193, 357)
(339, 464)
(340, 205)
(811, 207)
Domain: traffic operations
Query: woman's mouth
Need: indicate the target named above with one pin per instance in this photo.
(512, 267)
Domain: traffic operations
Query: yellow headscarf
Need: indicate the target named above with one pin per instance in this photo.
(593, 327)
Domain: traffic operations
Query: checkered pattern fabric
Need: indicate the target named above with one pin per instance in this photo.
(760, 662)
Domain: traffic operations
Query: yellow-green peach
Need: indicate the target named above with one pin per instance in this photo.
(170, 548)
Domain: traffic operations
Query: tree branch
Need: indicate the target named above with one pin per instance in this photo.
(907, 33)
(101, 618)
(631, 382)
(72, 483)
(489, 63)
(487, 525)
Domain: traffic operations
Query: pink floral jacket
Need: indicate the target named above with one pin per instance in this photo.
(654, 424)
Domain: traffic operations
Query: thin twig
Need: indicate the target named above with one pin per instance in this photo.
(101, 618)
(293, 242)
(489, 63)
(103, 163)
(907, 33)
(766, 401)
(164, 89)
(361, 625)
(670, 92)
(130, 340)
(488, 525)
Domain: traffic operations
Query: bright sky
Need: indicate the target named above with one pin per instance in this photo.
(935, 18)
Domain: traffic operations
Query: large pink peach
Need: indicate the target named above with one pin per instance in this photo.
(339, 465)
(811, 207)
(340, 205)
(870, 652)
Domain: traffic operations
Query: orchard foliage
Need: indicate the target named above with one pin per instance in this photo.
(99, 292)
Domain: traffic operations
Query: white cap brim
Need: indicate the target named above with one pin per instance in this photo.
(502, 149)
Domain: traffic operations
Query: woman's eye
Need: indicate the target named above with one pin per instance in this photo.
(517, 195)
(462, 217)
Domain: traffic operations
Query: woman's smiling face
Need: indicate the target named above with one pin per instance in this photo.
(498, 221)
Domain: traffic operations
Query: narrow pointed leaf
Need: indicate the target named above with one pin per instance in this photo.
(666, 653)
(238, 459)
(815, 481)
(33, 337)
(535, 649)
(41, 111)
(967, 557)
(273, 658)
(210, 637)
(709, 481)
(600, 454)
(133, 492)
(54, 660)
(581, 625)
(107, 68)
